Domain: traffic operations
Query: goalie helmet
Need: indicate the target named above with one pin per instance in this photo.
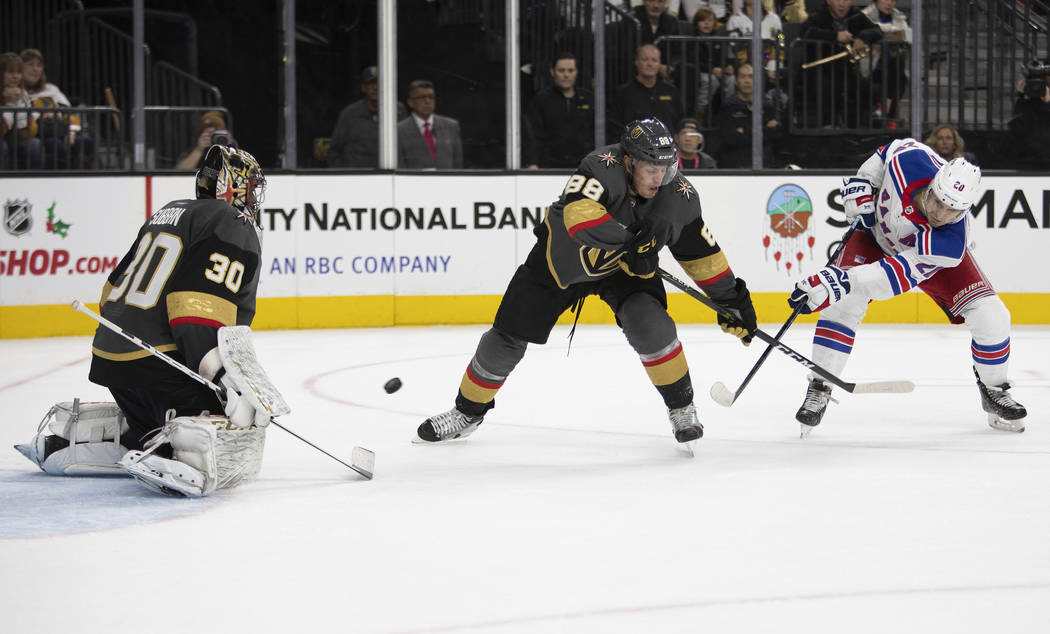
(957, 184)
(233, 175)
(649, 140)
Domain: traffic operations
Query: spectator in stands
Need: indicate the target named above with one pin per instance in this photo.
(62, 135)
(734, 125)
(646, 95)
(946, 141)
(891, 66)
(426, 140)
(211, 130)
(20, 146)
(1030, 127)
(741, 23)
(794, 11)
(355, 139)
(657, 22)
(690, 142)
(713, 72)
(840, 22)
(559, 124)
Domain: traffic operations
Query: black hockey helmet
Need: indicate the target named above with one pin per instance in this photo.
(649, 140)
(233, 175)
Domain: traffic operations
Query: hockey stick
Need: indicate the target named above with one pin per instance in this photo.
(362, 460)
(856, 388)
(719, 392)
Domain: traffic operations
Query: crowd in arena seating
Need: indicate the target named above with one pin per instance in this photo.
(692, 69)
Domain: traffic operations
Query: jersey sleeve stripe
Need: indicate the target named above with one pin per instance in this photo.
(584, 213)
(183, 304)
(574, 229)
(707, 270)
(899, 274)
(199, 321)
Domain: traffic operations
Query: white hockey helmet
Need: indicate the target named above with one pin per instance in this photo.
(957, 184)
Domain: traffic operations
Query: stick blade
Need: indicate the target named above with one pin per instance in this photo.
(363, 461)
(884, 387)
(721, 394)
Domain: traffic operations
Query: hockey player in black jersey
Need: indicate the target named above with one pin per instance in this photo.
(602, 237)
(193, 268)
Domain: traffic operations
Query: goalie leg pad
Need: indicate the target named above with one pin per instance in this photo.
(84, 439)
(209, 453)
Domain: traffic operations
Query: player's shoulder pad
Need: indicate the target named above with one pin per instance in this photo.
(220, 218)
(679, 194)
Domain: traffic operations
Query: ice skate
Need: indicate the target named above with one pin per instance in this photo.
(686, 426)
(1004, 413)
(812, 411)
(448, 425)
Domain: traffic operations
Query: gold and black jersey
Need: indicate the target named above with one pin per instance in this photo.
(193, 268)
(588, 223)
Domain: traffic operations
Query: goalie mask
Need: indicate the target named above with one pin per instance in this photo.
(233, 175)
(650, 141)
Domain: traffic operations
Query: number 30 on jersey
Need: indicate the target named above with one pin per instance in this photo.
(160, 253)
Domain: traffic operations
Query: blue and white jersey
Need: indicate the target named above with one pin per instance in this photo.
(915, 250)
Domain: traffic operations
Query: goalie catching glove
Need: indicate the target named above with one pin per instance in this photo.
(820, 290)
(744, 322)
(858, 198)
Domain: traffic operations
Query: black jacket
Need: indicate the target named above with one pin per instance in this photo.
(821, 26)
(1030, 133)
(558, 131)
(734, 133)
(635, 101)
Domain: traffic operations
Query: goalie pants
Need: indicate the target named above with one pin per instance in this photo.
(962, 292)
(531, 306)
(146, 407)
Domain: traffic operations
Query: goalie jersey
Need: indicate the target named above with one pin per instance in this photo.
(915, 250)
(193, 268)
(588, 223)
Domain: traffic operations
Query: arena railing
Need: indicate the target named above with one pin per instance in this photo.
(99, 144)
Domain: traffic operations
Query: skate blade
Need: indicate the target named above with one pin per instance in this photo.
(1015, 426)
(805, 431)
(688, 449)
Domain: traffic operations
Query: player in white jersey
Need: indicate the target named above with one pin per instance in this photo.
(914, 209)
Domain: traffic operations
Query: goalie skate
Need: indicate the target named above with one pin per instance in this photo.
(1004, 413)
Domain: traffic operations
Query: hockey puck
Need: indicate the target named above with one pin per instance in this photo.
(392, 385)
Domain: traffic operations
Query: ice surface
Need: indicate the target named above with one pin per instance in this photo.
(569, 510)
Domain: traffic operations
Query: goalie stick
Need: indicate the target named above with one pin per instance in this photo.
(856, 388)
(362, 461)
(719, 392)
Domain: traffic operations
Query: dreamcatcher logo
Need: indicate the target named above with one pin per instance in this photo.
(788, 233)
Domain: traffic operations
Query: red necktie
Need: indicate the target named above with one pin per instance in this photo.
(428, 136)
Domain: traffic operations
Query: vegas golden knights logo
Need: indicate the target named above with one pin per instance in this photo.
(597, 262)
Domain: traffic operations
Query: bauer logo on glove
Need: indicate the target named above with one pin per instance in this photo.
(820, 290)
(858, 200)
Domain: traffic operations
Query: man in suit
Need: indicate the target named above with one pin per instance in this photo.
(426, 140)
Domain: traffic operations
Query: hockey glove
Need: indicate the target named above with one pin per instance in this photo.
(820, 290)
(744, 322)
(642, 251)
(858, 197)
(241, 411)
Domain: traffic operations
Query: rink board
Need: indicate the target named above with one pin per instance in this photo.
(391, 250)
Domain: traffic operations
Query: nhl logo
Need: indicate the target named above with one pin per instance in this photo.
(18, 219)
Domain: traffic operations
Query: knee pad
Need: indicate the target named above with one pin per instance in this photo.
(84, 439)
(988, 320)
(645, 323)
(498, 354)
